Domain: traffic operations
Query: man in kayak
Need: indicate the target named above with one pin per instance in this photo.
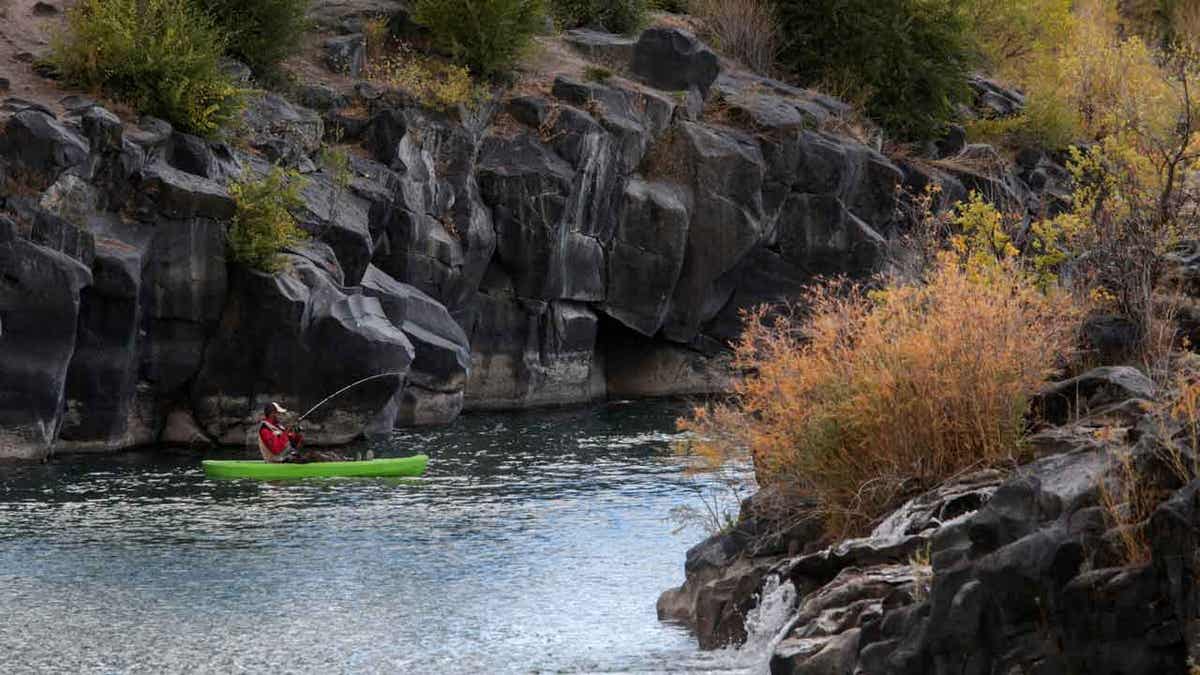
(275, 443)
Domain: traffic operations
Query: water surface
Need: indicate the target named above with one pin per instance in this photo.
(537, 542)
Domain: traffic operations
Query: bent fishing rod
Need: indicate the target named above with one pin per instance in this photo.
(339, 392)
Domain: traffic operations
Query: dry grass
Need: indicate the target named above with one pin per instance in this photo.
(1132, 494)
(434, 83)
(1128, 500)
(745, 30)
(870, 399)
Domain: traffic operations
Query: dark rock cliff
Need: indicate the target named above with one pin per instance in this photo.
(567, 242)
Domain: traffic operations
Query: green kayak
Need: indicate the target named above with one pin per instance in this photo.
(395, 466)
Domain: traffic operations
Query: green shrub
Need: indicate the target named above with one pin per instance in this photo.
(1012, 34)
(263, 225)
(906, 60)
(260, 32)
(673, 6)
(487, 36)
(161, 56)
(618, 16)
(598, 74)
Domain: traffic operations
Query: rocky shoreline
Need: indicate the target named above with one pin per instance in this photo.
(989, 573)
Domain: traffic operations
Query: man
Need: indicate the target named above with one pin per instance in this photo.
(275, 443)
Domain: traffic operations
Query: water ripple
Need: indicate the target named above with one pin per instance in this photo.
(536, 543)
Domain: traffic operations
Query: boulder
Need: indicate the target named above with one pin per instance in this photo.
(194, 155)
(106, 409)
(1090, 391)
(336, 215)
(818, 234)
(645, 257)
(1112, 336)
(346, 54)
(349, 14)
(185, 291)
(39, 311)
(1174, 535)
(821, 164)
(284, 132)
(675, 60)
(433, 392)
(168, 192)
(831, 619)
(70, 198)
(994, 99)
(153, 136)
(723, 173)
(715, 600)
(529, 189)
(295, 337)
(607, 48)
(526, 353)
(322, 97)
(764, 277)
(428, 217)
(41, 226)
(114, 158)
(37, 142)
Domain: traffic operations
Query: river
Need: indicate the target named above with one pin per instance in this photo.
(536, 542)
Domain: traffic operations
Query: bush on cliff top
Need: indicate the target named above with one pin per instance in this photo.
(263, 224)
(617, 16)
(746, 30)
(161, 56)
(487, 36)
(259, 32)
(870, 400)
(905, 61)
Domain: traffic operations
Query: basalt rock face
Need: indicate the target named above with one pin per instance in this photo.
(283, 336)
(990, 573)
(561, 244)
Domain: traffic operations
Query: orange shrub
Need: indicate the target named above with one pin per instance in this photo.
(869, 400)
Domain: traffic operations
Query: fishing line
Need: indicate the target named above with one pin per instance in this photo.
(346, 388)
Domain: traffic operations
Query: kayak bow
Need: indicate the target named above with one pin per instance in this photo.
(373, 468)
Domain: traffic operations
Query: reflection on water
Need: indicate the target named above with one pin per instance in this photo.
(536, 542)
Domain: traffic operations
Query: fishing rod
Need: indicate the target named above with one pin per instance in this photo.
(346, 388)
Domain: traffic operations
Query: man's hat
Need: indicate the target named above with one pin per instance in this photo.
(274, 407)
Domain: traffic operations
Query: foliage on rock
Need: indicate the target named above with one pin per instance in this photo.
(436, 84)
(263, 225)
(1011, 35)
(617, 16)
(486, 36)
(161, 56)
(905, 61)
(869, 399)
(260, 32)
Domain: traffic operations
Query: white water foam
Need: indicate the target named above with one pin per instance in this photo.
(766, 625)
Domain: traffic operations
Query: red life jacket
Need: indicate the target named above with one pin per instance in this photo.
(272, 441)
